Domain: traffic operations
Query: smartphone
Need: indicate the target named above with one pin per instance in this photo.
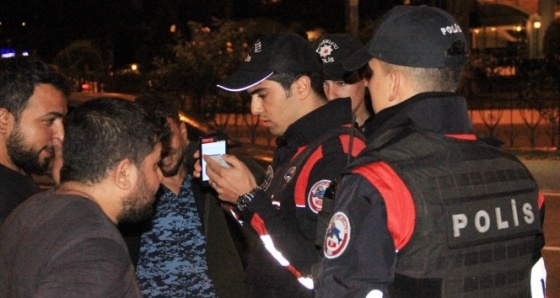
(213, 145)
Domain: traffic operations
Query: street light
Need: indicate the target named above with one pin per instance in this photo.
(536, 25)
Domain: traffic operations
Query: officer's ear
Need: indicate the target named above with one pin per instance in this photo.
(396, 81)
(302, 86)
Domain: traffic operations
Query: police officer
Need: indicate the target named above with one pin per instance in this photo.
(282, 74)
(426, 210)
(333, 49)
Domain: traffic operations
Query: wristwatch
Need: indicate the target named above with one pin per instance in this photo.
(246, 198)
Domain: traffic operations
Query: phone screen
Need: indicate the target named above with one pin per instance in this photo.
(211, 145)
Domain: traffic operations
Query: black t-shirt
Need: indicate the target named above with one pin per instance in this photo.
(14, 189)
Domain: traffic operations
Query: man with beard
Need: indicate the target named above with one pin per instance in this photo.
(64, 242)
(186, 249)
(32, 104)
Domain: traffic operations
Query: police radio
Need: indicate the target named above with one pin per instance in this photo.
(324, 216)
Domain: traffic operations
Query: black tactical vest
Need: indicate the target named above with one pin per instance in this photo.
(477, 216)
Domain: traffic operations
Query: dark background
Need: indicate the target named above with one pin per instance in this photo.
(135, 30)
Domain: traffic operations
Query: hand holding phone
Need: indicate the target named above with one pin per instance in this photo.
(212, 145)
(219, 158)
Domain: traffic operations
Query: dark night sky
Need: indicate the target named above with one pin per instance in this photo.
(52, 25)
(124, 24)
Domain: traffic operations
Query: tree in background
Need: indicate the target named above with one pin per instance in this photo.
(197, 62)
(81, 61)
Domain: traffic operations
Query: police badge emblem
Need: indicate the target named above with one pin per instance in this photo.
(338, 236)
(289, 174)
(315, 195)
(268, 178)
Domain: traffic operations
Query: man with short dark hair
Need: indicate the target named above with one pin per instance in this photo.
(32, 104)
(186, 249)
(282, 74)
(64, 242)
(427, 210)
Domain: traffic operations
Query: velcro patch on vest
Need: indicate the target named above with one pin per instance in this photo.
(491, 220)
(315, 195)
(337, 236)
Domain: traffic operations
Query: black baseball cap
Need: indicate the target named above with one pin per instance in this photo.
(414, 36)
(333, 49)
(273, 54)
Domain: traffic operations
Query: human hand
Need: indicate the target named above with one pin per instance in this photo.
(229, 183)
(197, 167)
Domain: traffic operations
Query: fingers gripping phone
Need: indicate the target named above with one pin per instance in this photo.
(214, 145)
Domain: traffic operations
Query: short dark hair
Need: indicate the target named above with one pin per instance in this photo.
(104, 131)
(18, 78)
(443, 79)
(287, 79)
(159, 105)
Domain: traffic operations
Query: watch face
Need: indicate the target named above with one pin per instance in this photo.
(245, 199)
(242, 202)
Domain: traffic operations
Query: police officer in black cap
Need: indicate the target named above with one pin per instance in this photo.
(427, 210)
(333, 49)
(315, 138)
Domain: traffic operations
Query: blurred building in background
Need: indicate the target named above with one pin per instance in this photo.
(512, 28)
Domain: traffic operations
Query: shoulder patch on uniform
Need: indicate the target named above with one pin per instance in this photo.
(337, 236)
(315, 195)
(268, 178)
(289, 174)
